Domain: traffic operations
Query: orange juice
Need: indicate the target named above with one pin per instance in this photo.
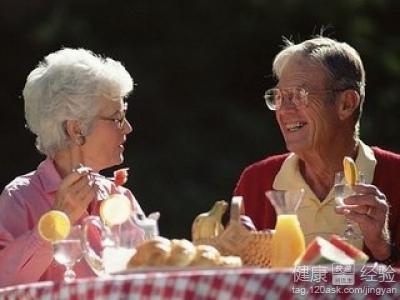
(287, 242)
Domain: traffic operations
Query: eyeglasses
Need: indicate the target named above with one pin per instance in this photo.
(297, 96)
(119, 122)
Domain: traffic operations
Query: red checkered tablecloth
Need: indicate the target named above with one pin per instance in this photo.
(241, 283)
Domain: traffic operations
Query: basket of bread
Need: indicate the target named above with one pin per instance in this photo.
(252, 246)
(212, 245)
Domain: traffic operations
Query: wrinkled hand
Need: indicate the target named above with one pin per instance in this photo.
(370, 210)
(75, 193)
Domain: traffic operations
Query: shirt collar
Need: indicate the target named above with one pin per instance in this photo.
(49, 176)
(289, 176)
(366, 162)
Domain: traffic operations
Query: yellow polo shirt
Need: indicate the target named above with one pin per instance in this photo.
(318, 218)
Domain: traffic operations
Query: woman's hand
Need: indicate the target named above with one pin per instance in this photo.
(75, 193)
(370, 210)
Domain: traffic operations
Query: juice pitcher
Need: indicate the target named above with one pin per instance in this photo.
(288, 241)
(108, 249)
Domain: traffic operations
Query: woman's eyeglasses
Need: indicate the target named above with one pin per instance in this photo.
(119, 122)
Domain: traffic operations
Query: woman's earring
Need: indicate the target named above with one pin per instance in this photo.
(80, 140)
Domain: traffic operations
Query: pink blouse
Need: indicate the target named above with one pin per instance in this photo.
(24, 255)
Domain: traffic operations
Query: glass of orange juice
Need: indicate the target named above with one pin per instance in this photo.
(288, 241)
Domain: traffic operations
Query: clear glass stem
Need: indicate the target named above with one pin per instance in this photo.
(349, 233)
(69, 274)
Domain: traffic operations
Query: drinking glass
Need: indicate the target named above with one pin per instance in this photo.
(343, 190)
(68, 252)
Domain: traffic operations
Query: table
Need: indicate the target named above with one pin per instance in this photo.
(307, 282)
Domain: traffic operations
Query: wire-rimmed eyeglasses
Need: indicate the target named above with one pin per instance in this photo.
(298, 96)
(119, 122)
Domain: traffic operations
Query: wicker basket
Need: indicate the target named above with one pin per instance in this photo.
(253, 247)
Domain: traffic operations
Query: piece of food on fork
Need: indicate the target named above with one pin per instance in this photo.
(120, 178)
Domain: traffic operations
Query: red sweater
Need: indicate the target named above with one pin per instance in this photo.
(259, 177)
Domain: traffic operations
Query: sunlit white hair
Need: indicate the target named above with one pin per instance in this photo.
(342, 63)
(69, 85)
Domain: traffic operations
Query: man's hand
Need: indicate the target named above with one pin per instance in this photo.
(370, 210)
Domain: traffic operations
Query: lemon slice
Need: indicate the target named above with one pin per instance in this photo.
(350, 170)
(115, 210)
(54, 226)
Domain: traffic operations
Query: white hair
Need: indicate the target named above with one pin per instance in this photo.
(69, 85)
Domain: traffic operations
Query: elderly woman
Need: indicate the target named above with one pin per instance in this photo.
(74, 104)
(318, 102)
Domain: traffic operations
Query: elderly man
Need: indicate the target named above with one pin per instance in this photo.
(318, 103)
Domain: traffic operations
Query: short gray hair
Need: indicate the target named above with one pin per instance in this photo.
(68, 85)
(343, 65)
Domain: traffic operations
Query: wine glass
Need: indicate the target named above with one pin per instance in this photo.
(343, 190)
(68, 252)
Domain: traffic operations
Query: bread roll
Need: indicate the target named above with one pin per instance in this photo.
(206, 256)
(230, 261)
(151, 253)
(182, 253)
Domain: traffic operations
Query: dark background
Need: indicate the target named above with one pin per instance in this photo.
(201, 68)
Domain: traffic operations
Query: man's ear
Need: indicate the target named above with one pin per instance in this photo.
(348, 102)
